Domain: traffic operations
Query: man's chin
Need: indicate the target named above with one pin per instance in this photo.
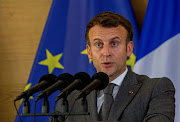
(107, 72)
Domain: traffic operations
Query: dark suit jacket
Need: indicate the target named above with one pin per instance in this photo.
(139, 99)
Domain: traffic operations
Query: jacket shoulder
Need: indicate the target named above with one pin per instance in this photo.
(161, 84)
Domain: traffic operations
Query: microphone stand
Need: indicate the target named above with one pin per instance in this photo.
(62, 112)
(64, 105)
(64, 108)
(45, 105)
(84, 105)
(26, 106)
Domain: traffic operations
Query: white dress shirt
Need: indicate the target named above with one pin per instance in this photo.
(117, 81)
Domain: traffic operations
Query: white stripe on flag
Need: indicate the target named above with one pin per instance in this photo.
(164, 62)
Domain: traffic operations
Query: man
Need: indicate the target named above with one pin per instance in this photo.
(136, 98)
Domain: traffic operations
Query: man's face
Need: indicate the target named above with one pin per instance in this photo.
(108, 49)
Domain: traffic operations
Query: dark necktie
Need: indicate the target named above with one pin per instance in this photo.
(108, 101)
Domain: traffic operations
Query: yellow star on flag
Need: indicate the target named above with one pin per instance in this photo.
(131, 61)
(85, 52)
(52, 61)
(26, 88)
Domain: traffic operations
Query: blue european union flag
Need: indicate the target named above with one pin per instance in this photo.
(62, 48)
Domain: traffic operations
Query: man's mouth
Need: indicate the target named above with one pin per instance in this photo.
(107, 64)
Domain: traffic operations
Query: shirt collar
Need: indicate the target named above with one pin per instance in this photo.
(119, 79)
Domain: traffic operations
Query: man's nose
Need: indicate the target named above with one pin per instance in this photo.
(106, 50)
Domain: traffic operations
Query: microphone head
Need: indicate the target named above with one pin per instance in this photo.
(84, 77)
(44, 82)
(67, 78)
(103, 77)
(50, 78)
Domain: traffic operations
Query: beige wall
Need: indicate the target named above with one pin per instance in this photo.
(21, 26)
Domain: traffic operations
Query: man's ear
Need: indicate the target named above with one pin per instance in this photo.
(89, 51)
(130, 48)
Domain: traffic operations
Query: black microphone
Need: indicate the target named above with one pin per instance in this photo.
(100, 81)
(82, 79)
(63, 81)
(44, 82)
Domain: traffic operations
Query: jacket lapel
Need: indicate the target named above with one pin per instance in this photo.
(127, 91)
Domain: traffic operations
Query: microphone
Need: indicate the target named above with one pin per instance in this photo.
(63, 81)
(100, 81)
(82, 79)
(44, 82)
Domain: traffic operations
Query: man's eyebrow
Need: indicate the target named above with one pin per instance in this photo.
(97, 39)
(116, 37)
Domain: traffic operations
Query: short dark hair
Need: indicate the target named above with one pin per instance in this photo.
(109, 19)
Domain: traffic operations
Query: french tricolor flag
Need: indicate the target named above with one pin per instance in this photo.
(159, 45)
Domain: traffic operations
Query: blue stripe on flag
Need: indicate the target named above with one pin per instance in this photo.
(162, 21)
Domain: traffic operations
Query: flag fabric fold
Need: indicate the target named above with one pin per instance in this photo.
(62, 48)
(159, 44)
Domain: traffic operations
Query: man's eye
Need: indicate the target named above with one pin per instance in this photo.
(114, 44)
(98, 44)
